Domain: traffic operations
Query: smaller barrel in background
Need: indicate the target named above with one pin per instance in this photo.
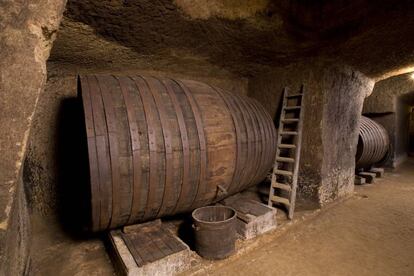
(214, 231)
(373, 143)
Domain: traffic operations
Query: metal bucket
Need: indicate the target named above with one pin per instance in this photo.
(215, 231)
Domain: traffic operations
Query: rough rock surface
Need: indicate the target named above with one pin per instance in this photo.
(80, 48)
(251, 37)
(389, 105)
(27, 31)
(385, 93)
(333, 105)
(230, 9)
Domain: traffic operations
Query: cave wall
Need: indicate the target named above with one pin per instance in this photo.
(333, 105)
(384, 96)
(27, 31)
(389, 105)
(249, 36)
(402, 131)
(411, 132)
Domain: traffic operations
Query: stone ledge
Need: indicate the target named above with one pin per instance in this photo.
(253, 217)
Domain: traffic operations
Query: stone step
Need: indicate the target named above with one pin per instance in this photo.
(379, 172)
(369, 177)
(359, 180)
(253, 218)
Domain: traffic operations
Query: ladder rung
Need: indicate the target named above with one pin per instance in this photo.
(282, 186)
(287, 146)
(285, 159)
(283, 172)
(280, 200)
(294, 95)
(293, 107)
(290, 120)
(289, 133)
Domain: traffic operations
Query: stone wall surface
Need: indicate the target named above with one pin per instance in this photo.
(245, 37)
(27, 30)
(389, 105)
(402, 126)
(385, 93)
(333, 102)
(344, 91)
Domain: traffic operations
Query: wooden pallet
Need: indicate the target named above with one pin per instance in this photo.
(150, 249)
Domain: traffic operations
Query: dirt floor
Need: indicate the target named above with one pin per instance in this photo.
(371, 233)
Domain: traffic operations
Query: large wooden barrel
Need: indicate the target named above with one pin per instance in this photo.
(159, 146)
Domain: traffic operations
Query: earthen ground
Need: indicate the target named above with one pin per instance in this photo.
(371, 233)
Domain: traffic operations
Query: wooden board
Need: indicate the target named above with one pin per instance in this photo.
(148, 249)
(152, 243)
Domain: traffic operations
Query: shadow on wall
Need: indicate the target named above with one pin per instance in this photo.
(70, 178)
(406, 123)
(276, 117)
(73, 190)
(411, 132)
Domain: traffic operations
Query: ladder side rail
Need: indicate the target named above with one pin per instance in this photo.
(297, 157)
(279, 140)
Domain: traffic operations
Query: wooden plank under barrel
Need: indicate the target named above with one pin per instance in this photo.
(160, 146)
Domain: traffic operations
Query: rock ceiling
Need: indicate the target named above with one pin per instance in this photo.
(375, 37)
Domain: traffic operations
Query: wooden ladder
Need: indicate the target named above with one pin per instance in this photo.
(289, 139)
